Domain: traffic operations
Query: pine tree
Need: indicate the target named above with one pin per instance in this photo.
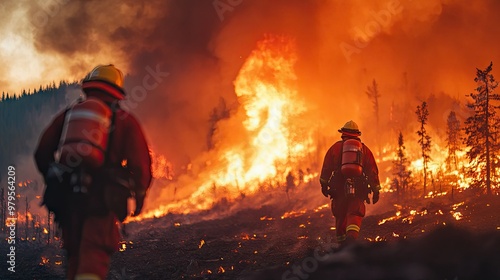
(424, 139)
(453, 140)
(481, 131)
(400, 169)
(373, 95)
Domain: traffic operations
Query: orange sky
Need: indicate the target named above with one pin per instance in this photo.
(412, 48)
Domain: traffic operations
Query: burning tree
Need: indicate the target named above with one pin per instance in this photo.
(373, 95)
(218, 113)
(400, 169)
(424, 140)
(480, 128)
(453, 139)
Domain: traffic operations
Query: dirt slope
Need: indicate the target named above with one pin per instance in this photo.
(435, 238)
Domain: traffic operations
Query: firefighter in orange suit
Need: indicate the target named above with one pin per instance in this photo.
(349, 194)
(91, 234)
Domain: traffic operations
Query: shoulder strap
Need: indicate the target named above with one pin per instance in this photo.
(65, 128)
(337, 165)
(114, 107)
(363, 148)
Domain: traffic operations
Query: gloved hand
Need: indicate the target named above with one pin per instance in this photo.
(325, 190)
(139, 203)
(376, 196)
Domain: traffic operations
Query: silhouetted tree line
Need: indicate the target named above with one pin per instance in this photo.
(23, 117)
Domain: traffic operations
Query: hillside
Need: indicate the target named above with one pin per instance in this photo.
(22, 119)
(433, 239)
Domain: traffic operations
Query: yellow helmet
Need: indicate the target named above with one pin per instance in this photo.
(350, 128)
(107, 78)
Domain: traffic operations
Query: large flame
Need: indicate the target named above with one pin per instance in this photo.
(267, 141)
(269, 100)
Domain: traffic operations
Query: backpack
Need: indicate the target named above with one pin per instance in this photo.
(83, 160)
(85, 135)
(351, 167)
(352, 158)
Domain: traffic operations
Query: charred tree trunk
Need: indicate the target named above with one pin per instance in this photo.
(27, 219)
(48, 228)
(487, 144)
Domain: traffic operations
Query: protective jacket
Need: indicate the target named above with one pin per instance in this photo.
(331, 175)
(348, 210)
(127, 144)
(90, 238)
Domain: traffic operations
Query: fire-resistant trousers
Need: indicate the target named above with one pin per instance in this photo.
(89, 243)
(348, 212)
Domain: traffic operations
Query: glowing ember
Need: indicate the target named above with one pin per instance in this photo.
(457, 215)
(45, 231)
(376, 239)
(202, 242)
(321, 207)
(455, 206)
(24, 183)
(435, 194)
(393, 218)
(44, 261)
(293, 214)
(177, 224)
(123, 247)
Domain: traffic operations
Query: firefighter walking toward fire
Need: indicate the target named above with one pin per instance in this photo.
(93, 157)
(348, 175)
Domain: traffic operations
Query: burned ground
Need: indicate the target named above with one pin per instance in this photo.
(434, 238)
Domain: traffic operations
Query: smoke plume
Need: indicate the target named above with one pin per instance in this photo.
(182, 57)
